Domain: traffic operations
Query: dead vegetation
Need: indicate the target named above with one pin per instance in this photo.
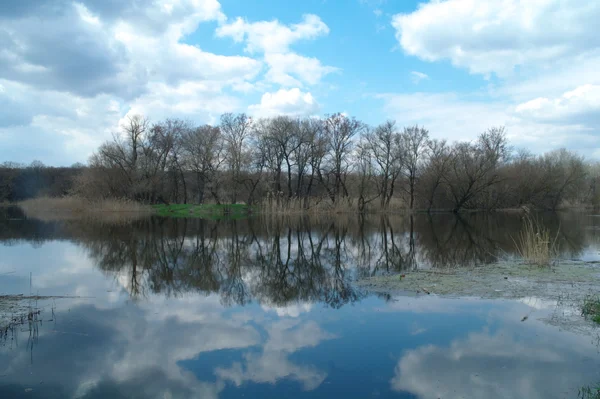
(78, 208)
(535, 244)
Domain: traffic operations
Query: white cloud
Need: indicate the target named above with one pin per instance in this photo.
(196, 101)
(496, 36)
(272, 36)
(292, 102)
(291, 69)
(64, 90)
(580, 106)
(293, 310)
(274, 39)
(459, 117)
(416, 76)
(515, 368)
(273, 364)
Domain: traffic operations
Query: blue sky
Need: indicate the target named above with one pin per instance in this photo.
(70, 71)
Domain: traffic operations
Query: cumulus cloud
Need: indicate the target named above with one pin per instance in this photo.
(580, 106)
(274, 40)
(272, 36)
(455, 117)
(515, 367)
(94, 61)
(292, 102)
(273, 364)
(291, 69)
(495, 37)
(547, 92)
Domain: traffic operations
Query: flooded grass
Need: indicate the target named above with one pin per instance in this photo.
(591, 308)
(535, 244)
(204, 211)
(16, 310)
(510, 280)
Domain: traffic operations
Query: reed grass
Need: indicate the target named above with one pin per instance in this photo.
(346, 205)
(74, 207)
(535, 244)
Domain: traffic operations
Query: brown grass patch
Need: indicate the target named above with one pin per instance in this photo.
(535, 244)
(346, 205)
(74, 208)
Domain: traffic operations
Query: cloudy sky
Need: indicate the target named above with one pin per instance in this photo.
(71, 70)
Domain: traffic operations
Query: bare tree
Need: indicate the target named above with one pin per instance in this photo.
(304, 154)
(235, 130)
(567, 173)
(435, 170)
(202, 150)
(163, 160)
(474, 168)
(415, 141)
(339, 131)
(119, 157)
(368, 175)
(384, 145)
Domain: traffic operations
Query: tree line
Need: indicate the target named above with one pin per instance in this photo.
(334, 161)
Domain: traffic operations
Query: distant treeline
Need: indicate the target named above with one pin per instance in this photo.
(335, 162)
(19, 182)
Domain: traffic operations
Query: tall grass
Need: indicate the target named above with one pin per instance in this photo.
(74, 207)
(345, 205)
(535, 243)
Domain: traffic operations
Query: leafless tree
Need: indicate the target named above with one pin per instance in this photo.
(385, 148)
(474, 167)
(236, 130)
(339, 131)
(436, 167)
(414, 144)
(202, 150)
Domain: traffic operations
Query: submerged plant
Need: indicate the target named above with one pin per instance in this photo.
(591, 308)
(535, 243)
(589, 393)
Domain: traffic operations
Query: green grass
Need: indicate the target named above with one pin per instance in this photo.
(589, 393)
(591, 308)
(204, 211)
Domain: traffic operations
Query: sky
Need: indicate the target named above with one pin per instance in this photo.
(72, 71)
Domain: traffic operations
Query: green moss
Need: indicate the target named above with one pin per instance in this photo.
(204, 211)
(591, 308)
(589, 393)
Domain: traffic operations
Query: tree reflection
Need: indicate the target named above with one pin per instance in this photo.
(282, 261)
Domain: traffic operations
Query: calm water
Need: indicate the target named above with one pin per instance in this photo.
(200, 309)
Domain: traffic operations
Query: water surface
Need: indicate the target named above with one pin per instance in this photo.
(269, 309)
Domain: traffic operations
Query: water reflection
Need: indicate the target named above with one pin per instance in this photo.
(300, 259)
(260, 308)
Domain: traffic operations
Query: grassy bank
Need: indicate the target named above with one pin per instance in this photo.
(72, 208)
(204, 211)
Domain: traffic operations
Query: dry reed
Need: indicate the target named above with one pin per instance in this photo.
(347, 205)
(535, 244)
(73, 207)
